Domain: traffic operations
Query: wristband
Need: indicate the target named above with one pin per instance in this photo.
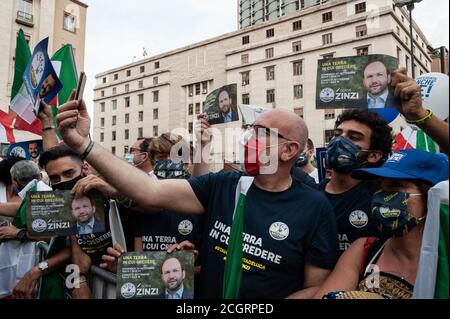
(87, 151)
(48, 129)
(424, 119)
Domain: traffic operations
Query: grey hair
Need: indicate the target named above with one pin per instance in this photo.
(25, 171)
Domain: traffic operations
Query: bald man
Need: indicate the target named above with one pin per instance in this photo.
(289, 241)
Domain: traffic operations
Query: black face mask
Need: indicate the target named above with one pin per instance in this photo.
(342, 155)
(67, 186)
(302, 160)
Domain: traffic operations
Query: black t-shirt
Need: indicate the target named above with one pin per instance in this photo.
(282, 231)
(352, 211)
(160, 230)
(303, 177)
(95, 245)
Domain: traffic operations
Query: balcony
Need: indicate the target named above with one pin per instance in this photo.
(25, 18)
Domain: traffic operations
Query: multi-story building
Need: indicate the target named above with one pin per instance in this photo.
(273, 63)
(440, 59)
(63, 21)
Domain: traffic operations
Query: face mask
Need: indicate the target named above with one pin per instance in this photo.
(67, 186)
(302, 160)
(129, 158)
(342, 155)
(390, 214)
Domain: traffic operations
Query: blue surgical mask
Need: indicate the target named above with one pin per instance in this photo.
(129, 158)
(342, 155)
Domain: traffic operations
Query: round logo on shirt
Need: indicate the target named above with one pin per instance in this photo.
(185, 227)
(128, 290)
(39, 225)
(279, 231)
(359, 219)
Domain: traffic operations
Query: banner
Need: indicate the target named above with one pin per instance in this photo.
(221, 105)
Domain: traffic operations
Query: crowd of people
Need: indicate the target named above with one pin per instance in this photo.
(255, 235)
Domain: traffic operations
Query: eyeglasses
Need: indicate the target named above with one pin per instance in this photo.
(268, 131)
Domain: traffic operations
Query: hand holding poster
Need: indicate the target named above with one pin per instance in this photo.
(356, 82)
(58, 213)
(156, 275)
(221, 106)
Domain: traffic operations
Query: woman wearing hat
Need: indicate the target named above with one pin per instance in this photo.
(386, 267)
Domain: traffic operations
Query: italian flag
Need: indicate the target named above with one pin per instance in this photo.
(6, 128)
(414, 138)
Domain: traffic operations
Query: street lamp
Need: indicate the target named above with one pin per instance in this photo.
(410, 6)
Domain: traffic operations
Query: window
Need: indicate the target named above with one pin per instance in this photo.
(155, 114)
(362, 51)
(191, 127)
(114, 105)
(102, 93)
(127, 134)
(116, 77)
(361, 30)
(328, 56)
(245, 78)
(141, 84)
(197, 89)
(246, 99)
(26, 6)
(126, 149)
(330, 114)
(246, 40)
(403, 19)
(327, 17)
(191, 109)
(114, 135)
(127, 118)
(102, 107)
(198, 109)
(157, 65)
(128, 73)
(327, 38)
(270, 33)
(298, 68)
(141, 116)
(141, 99)
(205, 87)
(127, 102)
(298, 91)
(270, 73)
(70, 22)
(155, 96)
(114, 120)
(269, 53)
(113, 150)
(328, 136)
(114, 91)
(104, 80)
(398, 30)
(297, 46)
(360, 7)
(127, 88)
(407, 63)
(399, 53)
(140, 133)
(102, 122)
(244, 58)
(297, 25)
(299, 111)
(270, 96)
(406, 39)
(155, 130)
(155, 80)
(142, 69)
(102, 137)
(191, 90)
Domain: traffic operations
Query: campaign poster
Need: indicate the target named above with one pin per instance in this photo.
(221, 105)
(39, 78)
(30, 151)
(356, 82)
(58, 213)
(156, 275)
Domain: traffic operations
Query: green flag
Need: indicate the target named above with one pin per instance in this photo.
(442, 276)
(21, 59)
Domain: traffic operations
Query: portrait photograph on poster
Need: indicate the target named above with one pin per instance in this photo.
(221, 105)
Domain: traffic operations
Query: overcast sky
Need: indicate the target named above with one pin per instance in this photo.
(117, 31)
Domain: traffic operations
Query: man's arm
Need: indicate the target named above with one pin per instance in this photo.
(26, 288)
(203, 134)
(10, 209)
(175, 195)
(314, 278)
(49, 138)
(412, 108)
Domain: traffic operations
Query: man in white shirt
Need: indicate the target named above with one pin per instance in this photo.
(305, 161)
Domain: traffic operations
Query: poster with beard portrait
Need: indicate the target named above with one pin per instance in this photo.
(221, 105)
(356, 82)
(59, 213)
(155, 275)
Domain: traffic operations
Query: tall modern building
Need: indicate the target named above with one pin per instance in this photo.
(63, 21)
(274, 64)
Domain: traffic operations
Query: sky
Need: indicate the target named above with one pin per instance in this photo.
(118, 31)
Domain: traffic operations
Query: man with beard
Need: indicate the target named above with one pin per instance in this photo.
(227, 114)
(172, 275)
(33, 149)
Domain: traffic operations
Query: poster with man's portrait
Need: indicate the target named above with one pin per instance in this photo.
(59, 213)
(221, 105)
(356, 82)
(155, 275)
(30, 151)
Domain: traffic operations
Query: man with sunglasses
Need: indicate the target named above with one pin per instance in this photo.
(362, 140)
(288, 234)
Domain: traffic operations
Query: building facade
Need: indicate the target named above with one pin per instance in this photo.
(273, 63)
(63, 21)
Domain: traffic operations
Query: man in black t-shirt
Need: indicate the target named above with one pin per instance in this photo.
(289, 238)
(363, 139)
